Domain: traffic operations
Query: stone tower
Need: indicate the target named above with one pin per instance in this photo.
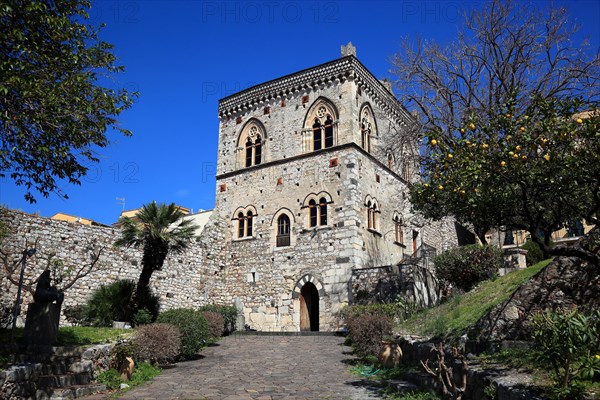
(312, 191)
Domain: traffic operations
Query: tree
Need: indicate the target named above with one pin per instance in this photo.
(159, 230)
(507, 142)
(54, 110)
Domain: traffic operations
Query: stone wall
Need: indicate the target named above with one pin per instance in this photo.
(190, 279)
(387, 284)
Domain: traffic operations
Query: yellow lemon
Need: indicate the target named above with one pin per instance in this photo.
(547, 157)
(440, 187)
(524, 157)
(518, 148)
(503, 164)
(471, 126)
(522, 129)
(579, 121)
(511, 153)
(433, 142)
(450, 156)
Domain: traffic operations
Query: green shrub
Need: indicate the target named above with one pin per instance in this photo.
(157, 343)
(112, 302)
(143, 372)
(464, 267)
(397, 312)
(142, 317)
(76, 315)
(215, 323)
(193, 328)
(366, 332)
(534, 253)
(229, 314)
(569, 341)
(111, 378)
(119, 354)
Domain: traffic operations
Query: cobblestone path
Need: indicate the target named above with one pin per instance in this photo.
(263, 367)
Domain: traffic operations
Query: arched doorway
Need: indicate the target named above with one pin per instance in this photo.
(309, 308)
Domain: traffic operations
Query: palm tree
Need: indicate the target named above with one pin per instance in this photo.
(159, 230)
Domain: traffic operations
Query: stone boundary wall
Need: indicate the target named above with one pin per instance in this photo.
(508, 384)
(190, 279)
(388, 283)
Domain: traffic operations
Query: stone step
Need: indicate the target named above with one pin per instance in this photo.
(62, 381)
(71, 392)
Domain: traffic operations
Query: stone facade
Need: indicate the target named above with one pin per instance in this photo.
(308, 191)
(354, 176)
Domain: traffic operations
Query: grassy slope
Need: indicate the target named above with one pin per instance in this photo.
(76, 335)
(460, 312)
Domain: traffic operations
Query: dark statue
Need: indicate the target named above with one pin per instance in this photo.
(44, 293)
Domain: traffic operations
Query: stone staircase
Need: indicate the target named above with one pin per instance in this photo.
(46, 372)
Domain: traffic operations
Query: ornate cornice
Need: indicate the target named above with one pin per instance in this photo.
(346, 68)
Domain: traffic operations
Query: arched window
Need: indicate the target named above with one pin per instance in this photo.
(283, 230)
(372, 211)
(323, 211)
(241, 225)
(249, 223)
(399, 234)
(251, 142)
(320, 122)
(367, 127)
(317, 211)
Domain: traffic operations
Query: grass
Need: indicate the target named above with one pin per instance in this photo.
(112, 379)
(455, 316)
(76, 335)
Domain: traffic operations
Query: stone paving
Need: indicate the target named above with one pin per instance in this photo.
(265, 368)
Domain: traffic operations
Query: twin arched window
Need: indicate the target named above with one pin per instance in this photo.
(317, 212)
(367, 127)
(320, 124)
(253, 151)
(245, 224)
(250, 143)
(372, 211)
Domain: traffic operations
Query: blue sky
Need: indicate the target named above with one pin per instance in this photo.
(183, 56)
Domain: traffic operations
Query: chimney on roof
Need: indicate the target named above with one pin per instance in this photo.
(348, 50)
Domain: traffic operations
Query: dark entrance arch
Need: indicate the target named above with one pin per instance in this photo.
(309, 308)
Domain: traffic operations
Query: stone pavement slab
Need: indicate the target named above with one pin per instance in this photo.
(265, 368)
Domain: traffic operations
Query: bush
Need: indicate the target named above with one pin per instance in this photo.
(157, 343)
(534, 253)
(397, 312)
(569, 343)
(215, 323)
(119, 353)
(76, 315)
(366, 331)
(110, 303)
(464, 267)
(113, 303)
(142, 317)
(193, 328)
(229, 314)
